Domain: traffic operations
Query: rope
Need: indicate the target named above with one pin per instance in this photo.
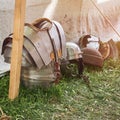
(106, 18)
(4, 116)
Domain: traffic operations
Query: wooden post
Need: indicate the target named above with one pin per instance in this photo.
(17, 45)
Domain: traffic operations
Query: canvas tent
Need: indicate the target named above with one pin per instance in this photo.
(77, 17)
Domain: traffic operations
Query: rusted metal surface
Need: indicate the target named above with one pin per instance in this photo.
(92, 57)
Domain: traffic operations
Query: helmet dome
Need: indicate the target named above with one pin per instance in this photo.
(73, 51)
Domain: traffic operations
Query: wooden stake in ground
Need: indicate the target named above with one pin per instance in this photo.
(17, 45)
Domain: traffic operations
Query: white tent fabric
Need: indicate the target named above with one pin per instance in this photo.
(92, 21)
(78, 17)
(81, 17)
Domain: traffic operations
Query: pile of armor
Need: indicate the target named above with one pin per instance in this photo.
(95, 51)
(46, 54)
(43, 49)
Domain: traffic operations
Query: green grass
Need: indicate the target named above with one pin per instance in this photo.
(71, 99)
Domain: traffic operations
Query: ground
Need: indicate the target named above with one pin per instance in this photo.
(71, 99)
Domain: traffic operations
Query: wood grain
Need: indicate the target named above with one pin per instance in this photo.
(17, 45)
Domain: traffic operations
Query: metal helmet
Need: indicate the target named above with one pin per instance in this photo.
(73, 66)
(73, 51)
(90, 41)
(92, 56)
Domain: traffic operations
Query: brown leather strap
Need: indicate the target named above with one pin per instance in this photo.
(58, 34)
(56, 62)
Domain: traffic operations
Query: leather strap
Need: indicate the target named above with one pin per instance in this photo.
(56, 61)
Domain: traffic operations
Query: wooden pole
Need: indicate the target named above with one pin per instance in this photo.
(17, 45)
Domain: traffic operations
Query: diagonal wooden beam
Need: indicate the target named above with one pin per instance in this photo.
(17, 45)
